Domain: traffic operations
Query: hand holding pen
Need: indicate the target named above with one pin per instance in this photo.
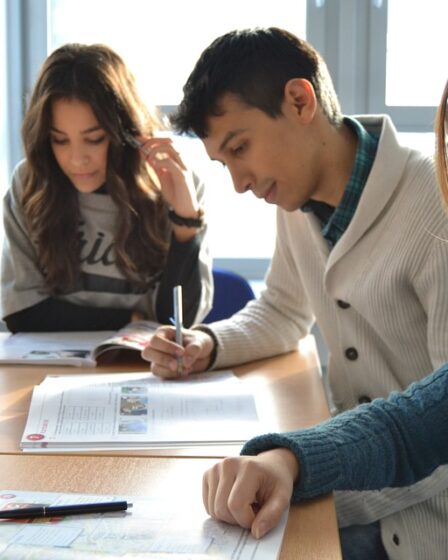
(163, 352)
(175, 352)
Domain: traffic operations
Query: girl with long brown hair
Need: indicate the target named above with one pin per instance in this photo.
(103, 218)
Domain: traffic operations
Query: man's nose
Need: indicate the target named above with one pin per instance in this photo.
(241, 182)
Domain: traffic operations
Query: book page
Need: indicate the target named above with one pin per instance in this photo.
(139, 409)
(134, 336)
(151, 529)
(76, 348)
(63, 348)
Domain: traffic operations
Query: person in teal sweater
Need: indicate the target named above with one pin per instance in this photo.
(387, 443)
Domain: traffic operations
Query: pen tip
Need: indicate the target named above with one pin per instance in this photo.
(130, 505)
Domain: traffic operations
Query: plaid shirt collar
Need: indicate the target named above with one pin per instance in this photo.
(336, 220)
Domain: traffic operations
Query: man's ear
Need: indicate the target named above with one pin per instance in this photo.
(300, 98)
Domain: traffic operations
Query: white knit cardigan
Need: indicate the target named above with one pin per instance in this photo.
(391, 267)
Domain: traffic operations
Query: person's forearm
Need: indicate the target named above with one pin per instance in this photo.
(387, 443)
(52, 315)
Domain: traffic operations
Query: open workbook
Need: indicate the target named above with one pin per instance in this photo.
(151, 529)
(73, 348)
(139, 410)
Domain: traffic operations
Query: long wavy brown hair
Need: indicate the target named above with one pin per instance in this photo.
(94, 74)
(441, 145)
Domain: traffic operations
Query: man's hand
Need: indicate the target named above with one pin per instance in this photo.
(252, 492)
(163, 352)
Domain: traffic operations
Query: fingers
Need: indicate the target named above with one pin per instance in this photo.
(226, 495)
(163, 352)
(269, 514)
(160, 150)
(170, 175)
(252, 492)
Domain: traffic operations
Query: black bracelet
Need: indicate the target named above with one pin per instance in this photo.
(187, 222)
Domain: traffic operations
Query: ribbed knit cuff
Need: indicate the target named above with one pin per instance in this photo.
(212, 335)
(320, 467)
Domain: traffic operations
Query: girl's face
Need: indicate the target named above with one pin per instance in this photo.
(79, 144)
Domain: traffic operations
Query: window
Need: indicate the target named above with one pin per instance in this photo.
(4, 137)
(378, 64)
(4, 165)
(408, 59)
(161, 49)
(417, 64)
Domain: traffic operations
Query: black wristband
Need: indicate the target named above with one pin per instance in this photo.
(187, 222)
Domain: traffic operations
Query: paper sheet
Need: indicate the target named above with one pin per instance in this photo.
(138, 409)
(150, 530)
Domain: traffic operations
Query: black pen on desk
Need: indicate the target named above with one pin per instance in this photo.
(63, 510)
(178, 320)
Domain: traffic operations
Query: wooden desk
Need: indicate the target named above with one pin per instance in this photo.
(293, 397)
(311, 533)
(289, 396)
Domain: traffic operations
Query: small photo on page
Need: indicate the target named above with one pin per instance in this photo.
(133, 405)
(134, 390)
(132, 426)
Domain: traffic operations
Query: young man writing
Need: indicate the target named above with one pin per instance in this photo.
(360, 248)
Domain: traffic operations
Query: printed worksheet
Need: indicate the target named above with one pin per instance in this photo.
(150, 530)
(139, 409)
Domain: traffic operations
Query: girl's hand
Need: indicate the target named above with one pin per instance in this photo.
(175, 180)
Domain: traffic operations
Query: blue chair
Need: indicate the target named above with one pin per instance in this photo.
(231, 294)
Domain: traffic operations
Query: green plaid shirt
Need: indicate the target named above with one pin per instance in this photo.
(336, 220)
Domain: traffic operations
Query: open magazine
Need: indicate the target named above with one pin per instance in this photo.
(139, 410)
(151, 529)
(73, 348)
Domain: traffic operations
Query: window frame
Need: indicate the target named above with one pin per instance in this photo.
(351, 35)
(405, 118)
(26, 48)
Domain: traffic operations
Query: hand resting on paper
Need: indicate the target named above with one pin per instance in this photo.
(252, 492)
(163, 352)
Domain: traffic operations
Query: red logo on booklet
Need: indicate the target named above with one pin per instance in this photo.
(35, 437)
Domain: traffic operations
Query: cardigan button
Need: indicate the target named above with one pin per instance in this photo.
(351, 354)
(343, 304)
(396, 539)
(364, 399)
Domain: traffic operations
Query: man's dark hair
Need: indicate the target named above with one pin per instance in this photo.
(255, 64)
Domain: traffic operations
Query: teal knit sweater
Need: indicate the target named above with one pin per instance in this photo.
(385, 443)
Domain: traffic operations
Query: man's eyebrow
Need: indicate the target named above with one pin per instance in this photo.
(229, 136)
(86, 131)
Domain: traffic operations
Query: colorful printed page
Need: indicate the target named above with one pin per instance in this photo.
(80, 349)
(139, 410)
(150, 530)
